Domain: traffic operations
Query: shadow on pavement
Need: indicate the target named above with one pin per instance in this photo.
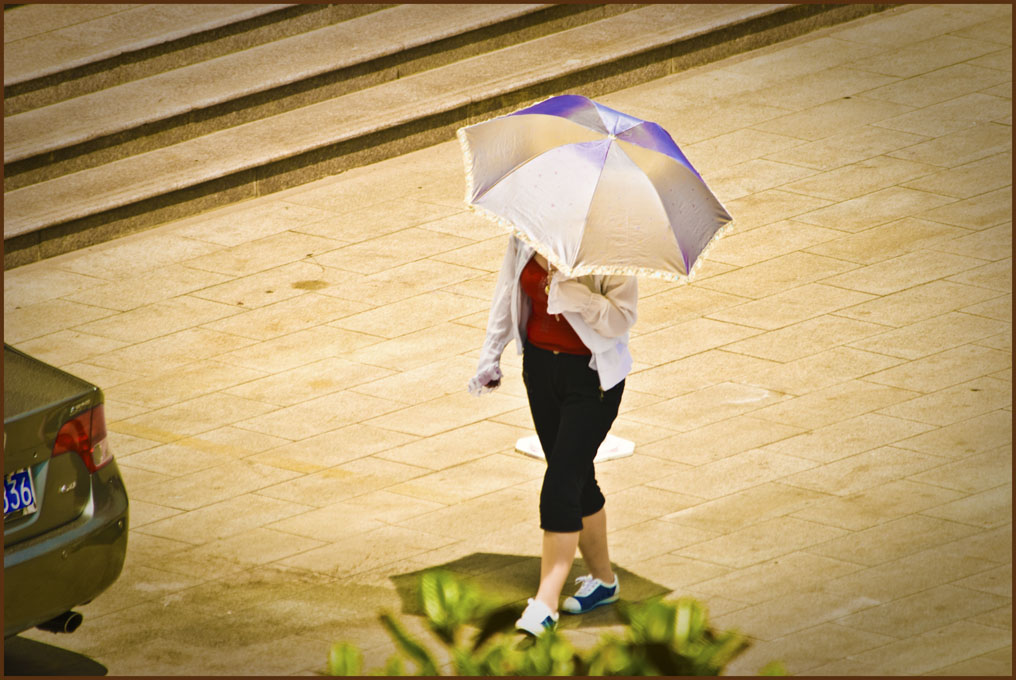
(30, 657)
(514, 578)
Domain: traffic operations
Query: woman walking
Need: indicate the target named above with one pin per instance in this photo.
(573, 335)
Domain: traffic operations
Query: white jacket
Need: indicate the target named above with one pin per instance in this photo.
(601, 310)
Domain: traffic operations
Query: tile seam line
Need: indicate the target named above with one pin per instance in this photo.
(208, 25)
(924, 634)
(75, 24)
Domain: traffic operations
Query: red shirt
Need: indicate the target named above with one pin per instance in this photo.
(547, 331)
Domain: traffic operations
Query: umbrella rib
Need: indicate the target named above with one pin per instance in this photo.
(599, 178)
(499, 180)
(470, 159)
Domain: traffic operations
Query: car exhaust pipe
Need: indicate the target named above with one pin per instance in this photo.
(67, 622)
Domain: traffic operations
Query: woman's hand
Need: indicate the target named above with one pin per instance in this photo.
(611, 313)
(567, 295)
(486, 380)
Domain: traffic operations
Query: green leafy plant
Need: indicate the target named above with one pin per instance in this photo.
(661, 638)
(666, 638)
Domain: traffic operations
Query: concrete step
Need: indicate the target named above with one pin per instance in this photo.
(392, 118)
(55, 52)
(285, 74)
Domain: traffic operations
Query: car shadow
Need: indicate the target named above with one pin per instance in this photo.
(511, 579)
(31, 657)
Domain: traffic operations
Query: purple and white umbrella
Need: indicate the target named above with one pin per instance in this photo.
(593, 190)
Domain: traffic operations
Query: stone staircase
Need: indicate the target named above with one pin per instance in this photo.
(120, 117)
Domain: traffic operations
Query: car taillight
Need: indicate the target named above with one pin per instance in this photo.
(85, 435)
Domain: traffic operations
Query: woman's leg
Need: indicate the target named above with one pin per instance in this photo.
(593, 538)
(559, 547)
(555, 563)
(593, 546)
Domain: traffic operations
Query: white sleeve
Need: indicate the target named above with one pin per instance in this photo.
(499, 324)
(611, 312)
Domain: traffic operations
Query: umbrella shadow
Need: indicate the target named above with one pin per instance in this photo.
(511, 579)
(23, 656)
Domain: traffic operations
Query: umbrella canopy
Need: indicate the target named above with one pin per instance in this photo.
(593, 190)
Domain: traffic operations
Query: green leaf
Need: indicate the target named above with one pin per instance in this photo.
(557, 656)
(465, 663)
(690, 622)
(411, 647)
(394, 667)
(501, 658)
(344, 659)
(723, 650)
(652, 621)
(438, 597)
(683, 624)
(611, 656)
(449, 603)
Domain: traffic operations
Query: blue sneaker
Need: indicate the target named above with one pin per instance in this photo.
(537, 619)
(592, 593)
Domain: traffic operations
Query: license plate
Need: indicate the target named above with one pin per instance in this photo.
(19, 495)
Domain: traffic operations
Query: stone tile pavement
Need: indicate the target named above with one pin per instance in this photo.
(822, 419)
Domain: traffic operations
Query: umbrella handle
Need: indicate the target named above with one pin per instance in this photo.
(550, 276)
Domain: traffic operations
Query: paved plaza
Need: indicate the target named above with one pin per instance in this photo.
(822, 419)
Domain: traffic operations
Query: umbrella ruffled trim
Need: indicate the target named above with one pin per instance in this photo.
(467, 157)
(606, 270)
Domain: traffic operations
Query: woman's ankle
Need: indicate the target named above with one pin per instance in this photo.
(552, 606)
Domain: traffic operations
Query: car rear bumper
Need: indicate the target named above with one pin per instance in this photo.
(48, 575)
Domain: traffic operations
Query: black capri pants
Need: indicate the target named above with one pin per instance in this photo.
(572, 416)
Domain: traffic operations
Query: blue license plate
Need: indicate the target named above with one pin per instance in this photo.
(19, 495)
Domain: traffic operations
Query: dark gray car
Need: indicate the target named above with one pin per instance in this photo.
(65, 506)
